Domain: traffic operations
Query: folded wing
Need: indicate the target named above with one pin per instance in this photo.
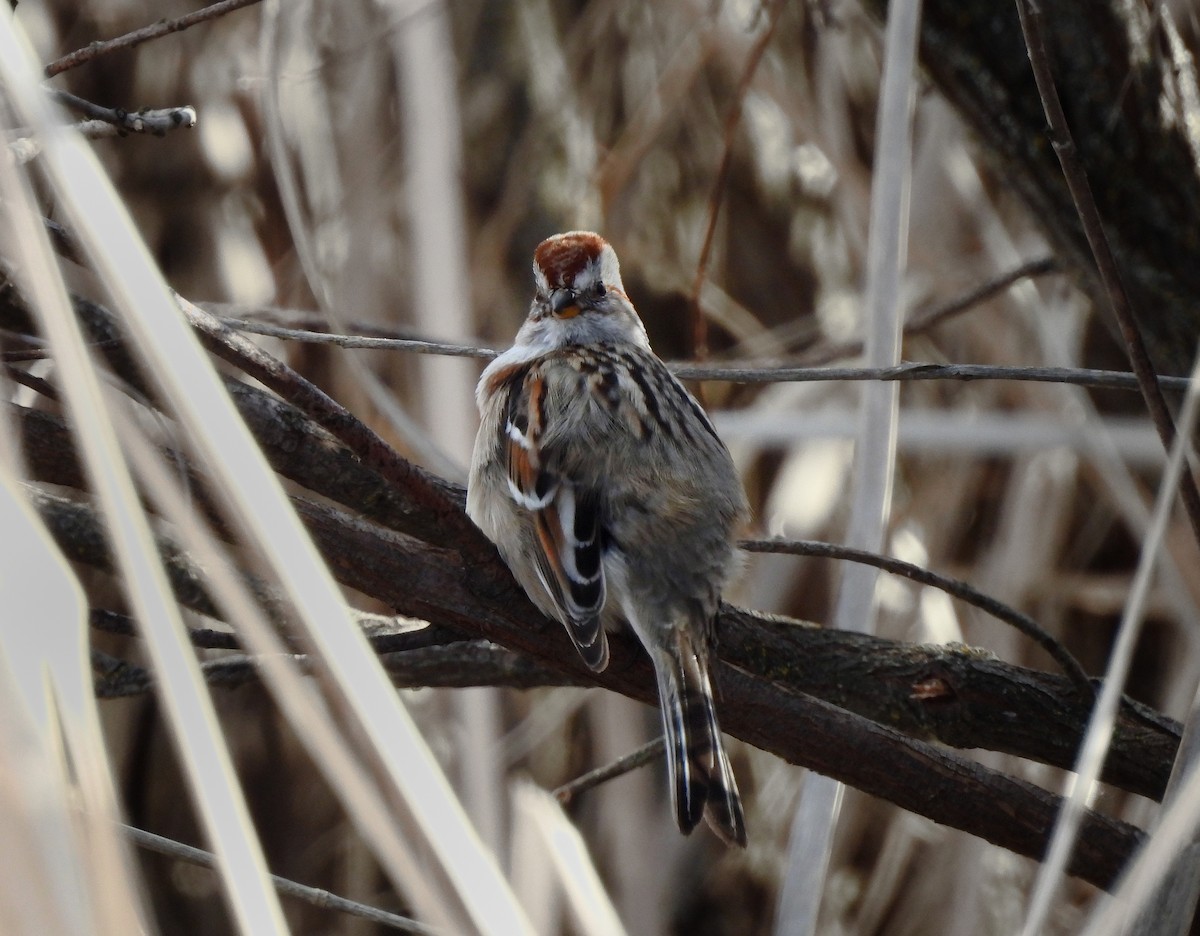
(566, 519)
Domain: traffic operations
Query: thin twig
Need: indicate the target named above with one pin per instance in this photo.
(156, 121)
(310, 895)
(310, 320)
(750, 372)
(44, 353)
(417, 345)
(37, 384)
(699, 322)
(298, 325)
(22, 357)
(927, 319)
(144, 34)
(959, 589)
(917, 370)
(622, 765)
(1106, 264)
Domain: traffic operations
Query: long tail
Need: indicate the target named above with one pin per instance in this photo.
(702, 782)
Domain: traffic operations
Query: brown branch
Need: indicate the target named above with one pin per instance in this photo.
(453, 666)
(460, 588)
(766, 666)
(144, 34)
(922, 778)
(1106, 264)
(960, 590)
(648, 752)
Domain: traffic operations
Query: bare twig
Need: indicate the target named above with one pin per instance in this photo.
(43, 353)
(415, 345)
(959, 589)
(297, 325)
(929, 318)
(750, 372)
(147, 120)
(466, 663)
(39, 385)
(1106, 264)
(310, 895)
(113, 622)
(63, 240)
(925, 319)
(622, 765)
(24, 356)
(699, 322)
(144, 34)
(917, 370)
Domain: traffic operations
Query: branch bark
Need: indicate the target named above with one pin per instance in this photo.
(767, 671)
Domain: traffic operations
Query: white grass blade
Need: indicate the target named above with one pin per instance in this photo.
(185, 698)
(296, 693)
(810, 842)
(41, 889)
(43, 641)
(83, 866)
(1175, 833)
(887, 251)
(875, 445)
(1100, 726)
(427, 76)
(565, 859)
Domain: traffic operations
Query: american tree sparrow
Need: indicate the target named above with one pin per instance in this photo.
(611, 498)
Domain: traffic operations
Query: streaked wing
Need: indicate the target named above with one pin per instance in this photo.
(566, 518)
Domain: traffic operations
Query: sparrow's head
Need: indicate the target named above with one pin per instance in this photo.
(579, 297)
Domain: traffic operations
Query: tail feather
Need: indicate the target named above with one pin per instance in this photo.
(725, 815)
(702, 782)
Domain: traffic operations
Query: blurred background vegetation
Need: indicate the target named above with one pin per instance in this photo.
(392, 165)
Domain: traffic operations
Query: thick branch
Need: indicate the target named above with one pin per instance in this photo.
(958, 696)
(454, 666)
(443, 586)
